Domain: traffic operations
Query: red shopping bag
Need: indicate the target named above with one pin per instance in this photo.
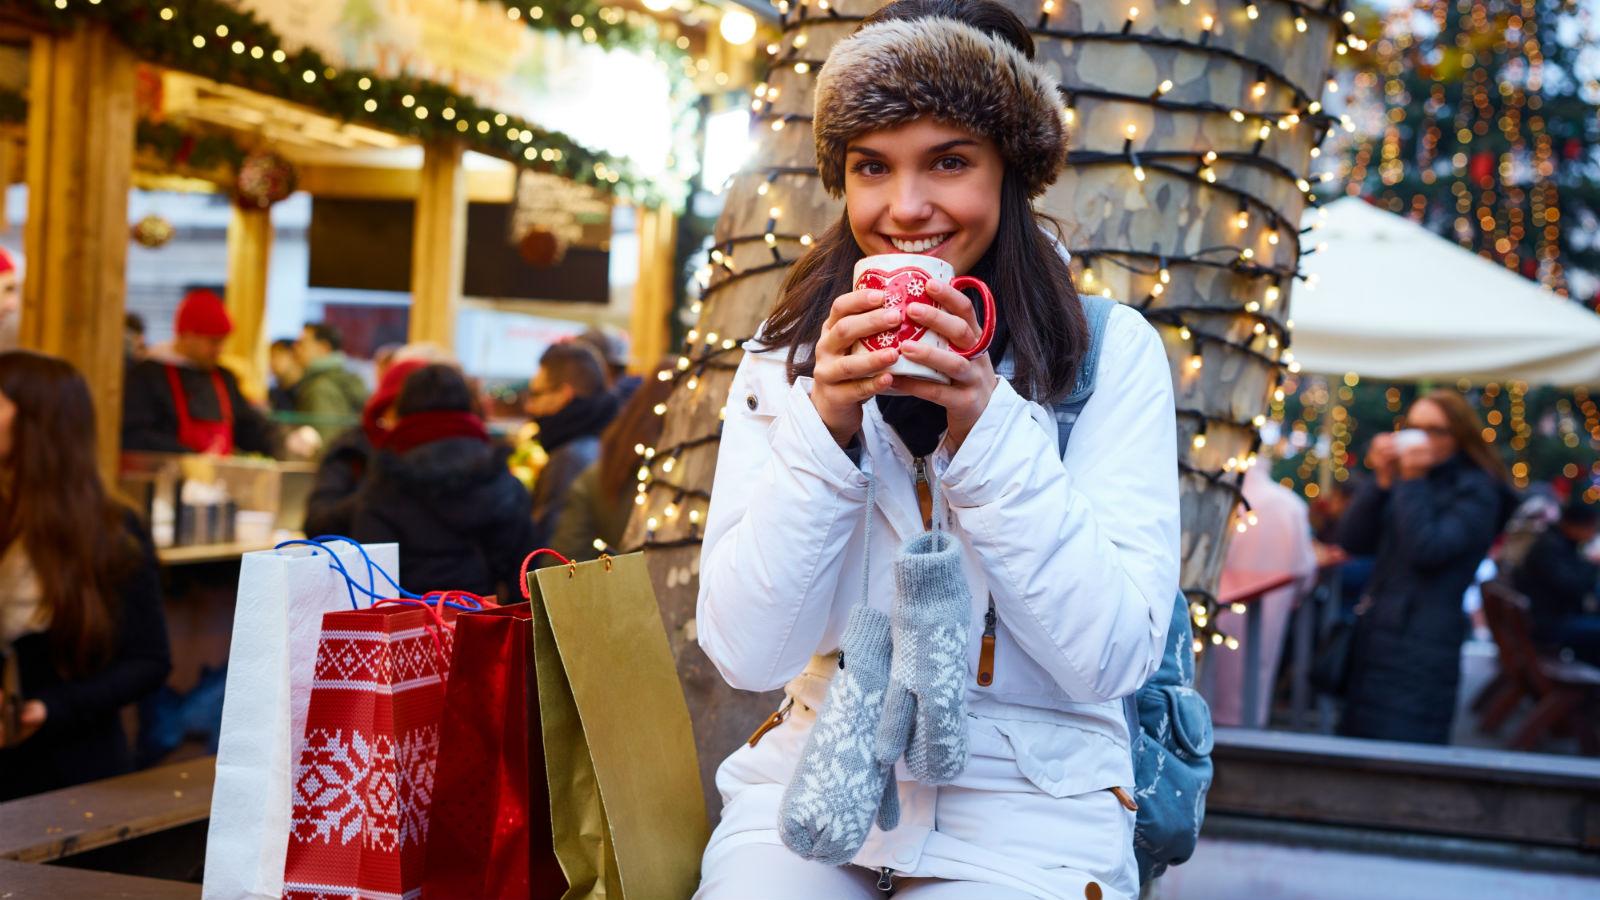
(364, 781)
(489, 831)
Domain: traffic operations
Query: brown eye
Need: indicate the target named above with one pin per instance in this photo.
(950, 164)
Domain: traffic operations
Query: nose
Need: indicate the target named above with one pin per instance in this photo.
(910, 202)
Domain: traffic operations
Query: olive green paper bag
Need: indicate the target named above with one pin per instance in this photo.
(626, 805)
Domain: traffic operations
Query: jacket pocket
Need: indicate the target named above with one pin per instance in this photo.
(1063, 761)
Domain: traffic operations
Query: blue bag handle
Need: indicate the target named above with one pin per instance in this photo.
(463, 601)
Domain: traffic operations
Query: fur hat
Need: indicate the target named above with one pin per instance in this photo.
(889, 73)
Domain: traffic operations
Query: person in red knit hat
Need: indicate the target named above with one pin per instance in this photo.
(182, 400)
(10, 300)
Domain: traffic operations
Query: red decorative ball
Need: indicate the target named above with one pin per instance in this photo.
(264, 178)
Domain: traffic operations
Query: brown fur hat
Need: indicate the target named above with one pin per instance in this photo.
(891, 72)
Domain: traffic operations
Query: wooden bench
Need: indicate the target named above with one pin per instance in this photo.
(73, 820)
(25, 881)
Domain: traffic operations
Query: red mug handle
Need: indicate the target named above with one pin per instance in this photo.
(967, 281)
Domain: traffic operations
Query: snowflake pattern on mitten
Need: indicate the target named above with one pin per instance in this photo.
(838, 785)
(929, 631)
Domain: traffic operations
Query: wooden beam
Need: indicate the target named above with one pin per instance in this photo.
(439, 242)
(80, 164)
(652, 294)
(374, 183)
(249, 258)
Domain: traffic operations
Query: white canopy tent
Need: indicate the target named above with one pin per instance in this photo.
(1395, 301)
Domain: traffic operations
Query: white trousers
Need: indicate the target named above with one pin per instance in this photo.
(770, 872)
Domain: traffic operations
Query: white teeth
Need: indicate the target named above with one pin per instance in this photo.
(921, 246)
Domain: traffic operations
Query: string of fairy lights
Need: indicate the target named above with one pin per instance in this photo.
(215, 39)
(1250, 324)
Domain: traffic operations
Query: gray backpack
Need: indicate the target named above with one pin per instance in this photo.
(1168, 721)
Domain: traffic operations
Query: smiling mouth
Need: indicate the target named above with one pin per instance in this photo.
(919, 245)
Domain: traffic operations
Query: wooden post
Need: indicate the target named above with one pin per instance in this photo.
(652, 295)
(439, 243)
(249, 257)
(80, 167)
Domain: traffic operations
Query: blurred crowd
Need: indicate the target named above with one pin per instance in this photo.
(414, 459)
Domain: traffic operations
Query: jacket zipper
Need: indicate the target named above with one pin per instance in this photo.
(886, 879)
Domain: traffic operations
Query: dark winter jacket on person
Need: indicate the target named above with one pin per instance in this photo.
(330, 396)
(82, 738)
(588, 514)
(1557, 579)
(331, 508)
(1429, 535)
(572, 439)
(462, 520)
(150, 411)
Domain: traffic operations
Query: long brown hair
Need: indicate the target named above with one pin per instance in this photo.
(1033, 288)
(52, 500)
(636, 425)
(1467, 429)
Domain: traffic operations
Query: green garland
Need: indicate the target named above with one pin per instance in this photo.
(215, 40)
(198, 150)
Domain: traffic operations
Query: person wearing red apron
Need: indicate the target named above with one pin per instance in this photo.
(203, 435)
(164, 404)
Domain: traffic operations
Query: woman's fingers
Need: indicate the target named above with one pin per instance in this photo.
(851, 304)
(951, 315)
(843, 334)
(947, 362)
(837, 369)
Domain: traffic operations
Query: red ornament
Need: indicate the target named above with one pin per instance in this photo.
(1481, 167)
(1572, 149)
(541, 248)
(264, 179)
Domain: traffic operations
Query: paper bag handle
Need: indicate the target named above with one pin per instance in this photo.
(522, 574)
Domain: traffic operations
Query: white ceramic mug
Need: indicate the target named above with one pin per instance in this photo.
(904, 278)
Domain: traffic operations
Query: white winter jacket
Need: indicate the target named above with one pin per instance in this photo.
(1080, 556)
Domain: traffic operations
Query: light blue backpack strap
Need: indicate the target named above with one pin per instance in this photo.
(1097, 310)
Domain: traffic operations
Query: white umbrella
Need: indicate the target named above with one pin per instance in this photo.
(1395, 301)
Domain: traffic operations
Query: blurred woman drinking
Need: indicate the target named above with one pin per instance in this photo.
(1437, 499)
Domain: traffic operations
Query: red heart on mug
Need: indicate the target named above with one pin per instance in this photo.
(902, 286)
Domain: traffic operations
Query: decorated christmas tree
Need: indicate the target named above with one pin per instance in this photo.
(1482, 125)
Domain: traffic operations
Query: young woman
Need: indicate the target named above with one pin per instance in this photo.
(80, 592)
(938, 130)
(1430, 513)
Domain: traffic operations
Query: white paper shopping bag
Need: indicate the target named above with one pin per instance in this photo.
(277, 620)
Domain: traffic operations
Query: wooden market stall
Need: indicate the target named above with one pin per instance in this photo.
(185, 94)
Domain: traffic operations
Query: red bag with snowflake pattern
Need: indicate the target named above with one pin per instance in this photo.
(363, 783)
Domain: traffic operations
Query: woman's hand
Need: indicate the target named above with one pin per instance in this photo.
(1383, 459)
(844, 380)
(30, 718)
(1416, 461)
(972, 381)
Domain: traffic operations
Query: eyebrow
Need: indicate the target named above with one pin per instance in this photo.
(941, 148)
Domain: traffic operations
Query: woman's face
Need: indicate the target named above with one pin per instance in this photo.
(8, 415)
(1427, 417)
(924, 187)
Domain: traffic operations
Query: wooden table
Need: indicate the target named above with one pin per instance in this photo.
(204, 553)
(72, 820)
(26, 881)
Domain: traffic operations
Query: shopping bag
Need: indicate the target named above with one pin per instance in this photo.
(276, 619)
(363, 783)
(489, 830)
(628, 814)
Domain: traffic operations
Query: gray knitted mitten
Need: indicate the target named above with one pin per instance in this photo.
(925, 714)
(839, 784)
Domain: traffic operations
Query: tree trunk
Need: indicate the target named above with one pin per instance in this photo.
(1206, 247)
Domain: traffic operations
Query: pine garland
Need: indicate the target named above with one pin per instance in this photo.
(215, 40)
